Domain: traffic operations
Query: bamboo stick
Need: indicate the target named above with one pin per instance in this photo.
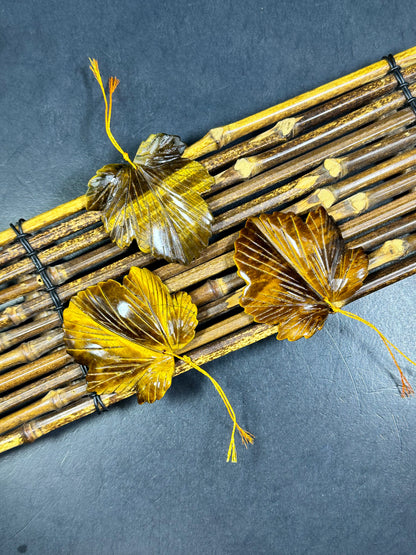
(310, 160)
(36, 389)
(289, 128)
(379, 216)
(393, 250)
(54, 400)
(47, 218)
(35, 369)
(392, 230)
(56, 252)
(35, 429)
(387, 276)
(220, 136)
(248, 167)
(31, 350)
(330, 171)
(363, 201)
(50, 235)
(328, 196)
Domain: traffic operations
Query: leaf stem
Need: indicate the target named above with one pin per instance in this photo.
(406, 387)
(112, 84)
(246, 437)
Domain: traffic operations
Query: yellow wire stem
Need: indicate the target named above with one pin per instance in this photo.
(113, 83)
(406, 387)
(246, 437)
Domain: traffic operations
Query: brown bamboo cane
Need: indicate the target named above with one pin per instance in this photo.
(78, 222)
(292, 127)
(329, 171)
(220, 136)
(328, 196)
(35, 369)
(306, 162)
(387, 276)
(363, 201)
(47, 218)
(248, 167)
(396, 228)
(61, 273)
(34, 390)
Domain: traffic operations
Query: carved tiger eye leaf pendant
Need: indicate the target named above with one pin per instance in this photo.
(127, 334)
(292, 267)
(157, 201)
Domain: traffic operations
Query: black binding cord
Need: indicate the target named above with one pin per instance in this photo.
(401, 81)
(51, 289)
(41, 269)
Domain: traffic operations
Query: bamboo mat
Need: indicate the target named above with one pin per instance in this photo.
(349, 145)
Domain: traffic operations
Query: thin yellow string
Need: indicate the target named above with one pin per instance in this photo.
(406, 387)
(113, 83)
(246, 437)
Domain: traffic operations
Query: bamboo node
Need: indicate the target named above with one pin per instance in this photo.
(29, 432)
(285, 128)
(359, 202)
(334, 166)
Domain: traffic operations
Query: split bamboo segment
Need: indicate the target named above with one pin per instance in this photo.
(349, 146)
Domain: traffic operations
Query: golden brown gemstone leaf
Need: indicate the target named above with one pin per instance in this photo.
(127, 334)
(156, 199)
(298, 272)
(158, 202)
(293, 268)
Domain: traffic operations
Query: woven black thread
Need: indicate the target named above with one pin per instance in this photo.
(51, 289)
(40, 268)
(98, 403)
(401, 81)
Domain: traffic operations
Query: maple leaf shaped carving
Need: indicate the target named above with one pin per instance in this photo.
(299, 272)
(127, 334)
(293, 268)
(157, 201)
(156, 198)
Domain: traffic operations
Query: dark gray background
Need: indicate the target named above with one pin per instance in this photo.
(333, 466)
